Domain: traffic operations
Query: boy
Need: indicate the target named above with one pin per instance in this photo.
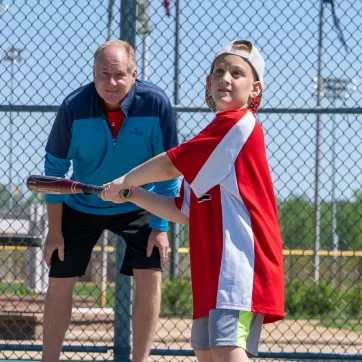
(228, 200)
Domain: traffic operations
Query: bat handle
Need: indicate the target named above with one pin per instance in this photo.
(92, 189)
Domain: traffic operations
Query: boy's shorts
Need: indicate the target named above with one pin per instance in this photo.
(225, 327)
(81, 231)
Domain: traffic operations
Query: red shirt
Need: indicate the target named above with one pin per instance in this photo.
(235, 243)
(114, 119)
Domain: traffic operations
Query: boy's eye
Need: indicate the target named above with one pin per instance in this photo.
(219, 70)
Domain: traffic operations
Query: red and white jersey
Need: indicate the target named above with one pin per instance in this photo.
(227, 193)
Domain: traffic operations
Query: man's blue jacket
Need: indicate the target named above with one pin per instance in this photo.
(81, 135)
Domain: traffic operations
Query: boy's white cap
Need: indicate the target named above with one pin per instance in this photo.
(254, 57)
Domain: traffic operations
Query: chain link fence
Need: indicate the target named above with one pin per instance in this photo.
(311, 115)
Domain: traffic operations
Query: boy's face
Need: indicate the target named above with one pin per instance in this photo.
(232, 83)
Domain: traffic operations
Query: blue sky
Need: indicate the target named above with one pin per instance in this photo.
(59, 39)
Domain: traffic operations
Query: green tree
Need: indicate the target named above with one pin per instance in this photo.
(296, 222)
(4, 198)
(36, 198)
(349, 223)
(296, 219)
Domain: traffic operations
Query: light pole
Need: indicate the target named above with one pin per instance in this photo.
(333, 89)
(144, 30)
(13, 56)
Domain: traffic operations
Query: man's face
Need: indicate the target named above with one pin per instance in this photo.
(232, 83)
(113, 76)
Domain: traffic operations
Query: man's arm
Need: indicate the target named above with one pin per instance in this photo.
(58, 150)
(54, 239)
(57, 163)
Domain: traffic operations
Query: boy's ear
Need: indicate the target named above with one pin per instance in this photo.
(257, 88)
(208, 80)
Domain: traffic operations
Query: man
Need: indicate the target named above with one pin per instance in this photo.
(106, 128)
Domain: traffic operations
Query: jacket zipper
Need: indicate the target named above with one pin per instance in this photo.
(109, 131)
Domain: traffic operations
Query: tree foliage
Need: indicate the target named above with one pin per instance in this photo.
(296, 219)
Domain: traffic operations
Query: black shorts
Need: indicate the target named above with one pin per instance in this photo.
(81, 232)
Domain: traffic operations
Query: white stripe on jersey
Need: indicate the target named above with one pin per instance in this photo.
(186, 200)
(222, 159)
(237, 262)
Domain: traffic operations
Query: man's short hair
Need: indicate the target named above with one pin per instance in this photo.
(122, 45)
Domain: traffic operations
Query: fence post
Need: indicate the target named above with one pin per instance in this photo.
(123, 297)
(104, 270)
(175, 244)
(122, 312)
(34, 255)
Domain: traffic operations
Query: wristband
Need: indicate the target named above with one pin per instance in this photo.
(125, 194)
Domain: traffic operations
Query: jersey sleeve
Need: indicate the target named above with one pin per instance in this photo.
(183, 201)
(210, 156)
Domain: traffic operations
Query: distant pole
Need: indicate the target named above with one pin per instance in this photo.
(143, 29)
(145, 56)
(128, 21)
(335, 240)
(104, 270)
(13, 56)
(11, 201)
(317, 205)
(335, 88)
(175, 228)
(110, 18)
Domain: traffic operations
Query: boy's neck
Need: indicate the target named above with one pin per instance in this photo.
(232, 109)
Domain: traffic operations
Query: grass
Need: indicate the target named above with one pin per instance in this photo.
(82, 289)
(90, 289)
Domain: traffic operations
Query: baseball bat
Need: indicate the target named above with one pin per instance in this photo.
(58, 185)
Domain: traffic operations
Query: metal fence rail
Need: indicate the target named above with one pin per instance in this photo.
(312, 118)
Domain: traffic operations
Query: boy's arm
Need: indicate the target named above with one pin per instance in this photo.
(159, 205)
(158, 168)
(204, 161)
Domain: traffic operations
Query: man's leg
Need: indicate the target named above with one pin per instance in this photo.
(57, 313)
(80, 233)
(146, 311)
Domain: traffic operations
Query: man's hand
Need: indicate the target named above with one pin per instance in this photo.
(112, 189)
(160, 240)
(53, 241)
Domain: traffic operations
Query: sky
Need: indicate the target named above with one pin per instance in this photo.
(59, 38)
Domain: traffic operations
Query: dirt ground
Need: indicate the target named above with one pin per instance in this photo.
(174, 333)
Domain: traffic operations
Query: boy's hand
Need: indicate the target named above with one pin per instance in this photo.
(112, 189)
(160, 240)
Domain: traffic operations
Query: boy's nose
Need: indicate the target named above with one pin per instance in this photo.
(225, 79)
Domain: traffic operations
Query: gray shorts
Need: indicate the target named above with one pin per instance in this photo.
(225, 327)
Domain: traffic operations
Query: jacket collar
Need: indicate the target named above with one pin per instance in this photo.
(127, 102)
